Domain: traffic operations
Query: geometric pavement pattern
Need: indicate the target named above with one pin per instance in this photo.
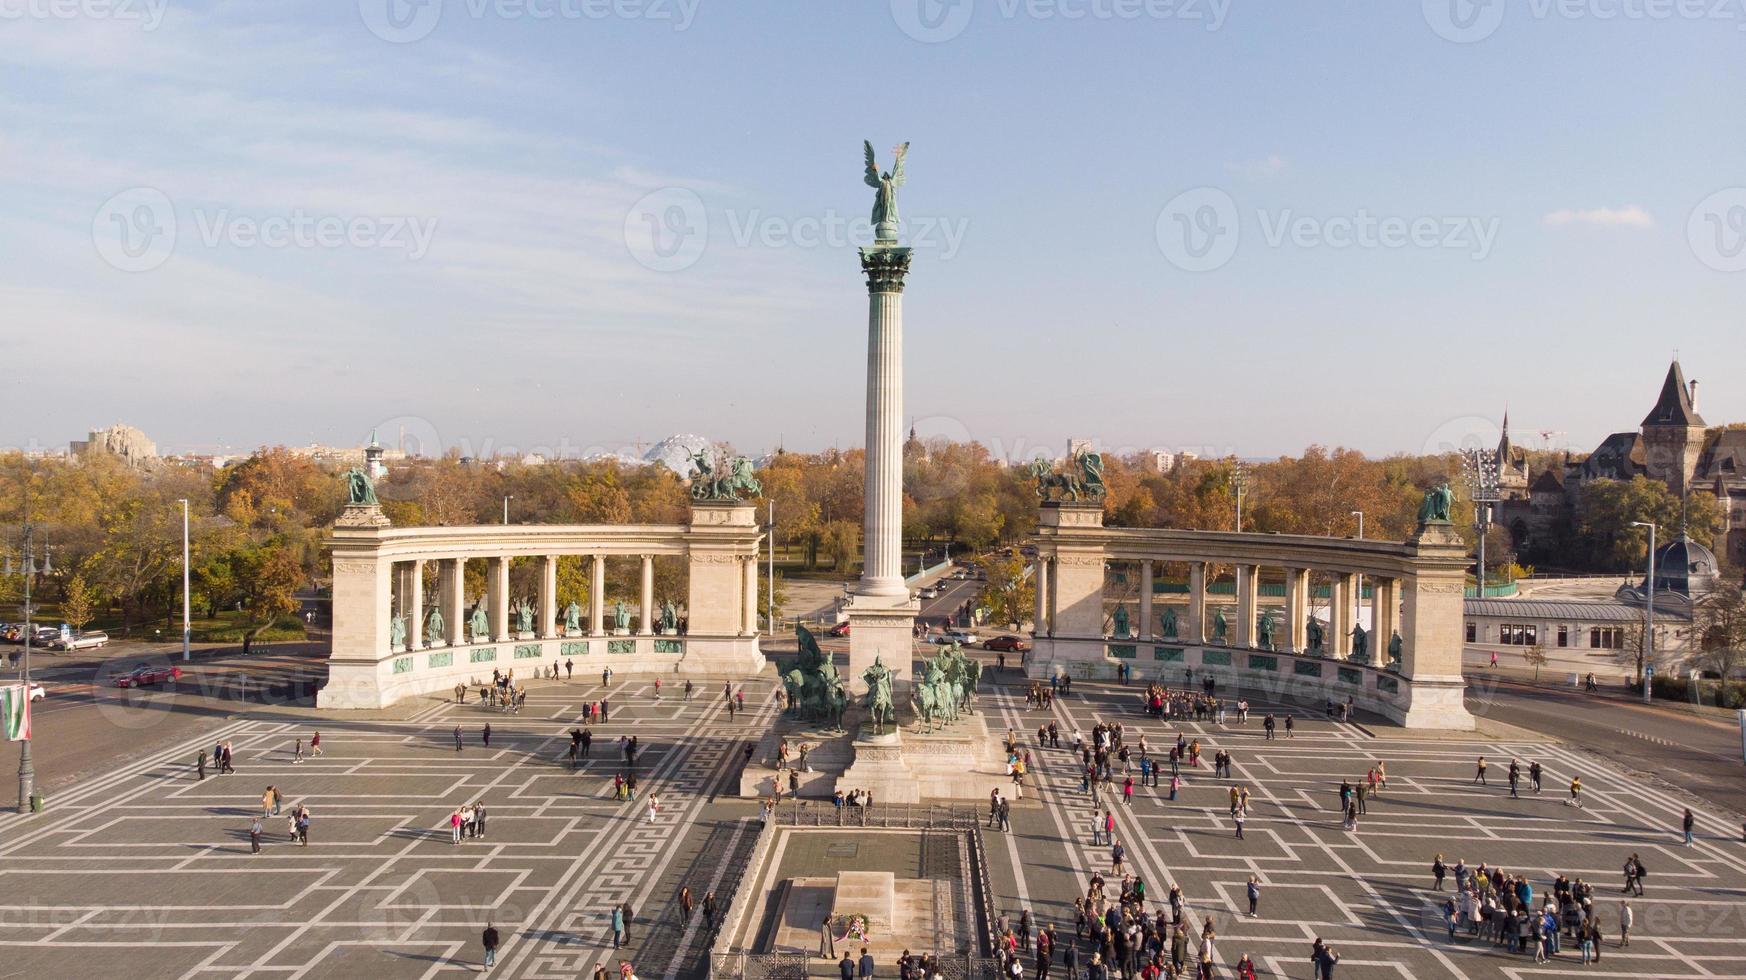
(1368, 894)
(146, 871)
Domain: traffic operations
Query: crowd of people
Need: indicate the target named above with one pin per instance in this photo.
(1489, 903)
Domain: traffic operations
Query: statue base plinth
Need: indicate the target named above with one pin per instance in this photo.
(363, 515)
(881, 628)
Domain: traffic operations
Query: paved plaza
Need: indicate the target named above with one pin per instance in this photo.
(1368, 894)
(147, 871)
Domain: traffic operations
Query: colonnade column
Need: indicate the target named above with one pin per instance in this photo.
(415, 605)
(1146, 600)
(499, 604)
(1340, 619)
(1054, 596)
(1040, 579)
(452, 588)
(549, 628)
(1383, 612)
(1196, 602)
(597, 597)
(1296, 609)
(749, 595)
(646, 607)
(1248, 577)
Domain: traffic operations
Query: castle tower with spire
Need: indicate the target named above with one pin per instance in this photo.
(1673, 434)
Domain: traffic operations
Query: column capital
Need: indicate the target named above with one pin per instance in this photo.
(885, 267)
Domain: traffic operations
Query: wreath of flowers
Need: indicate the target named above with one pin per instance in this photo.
(855, 926)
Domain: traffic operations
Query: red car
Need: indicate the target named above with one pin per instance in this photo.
(1009, 644)
(145, 675)
(841, 629)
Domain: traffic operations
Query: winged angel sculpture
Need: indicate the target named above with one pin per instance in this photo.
(885, 202)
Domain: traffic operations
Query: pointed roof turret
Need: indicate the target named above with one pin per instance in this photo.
(1674, 407)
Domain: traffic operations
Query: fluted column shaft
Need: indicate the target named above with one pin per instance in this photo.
(882, 530)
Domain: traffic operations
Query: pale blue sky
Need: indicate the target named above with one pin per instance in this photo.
(517, 298)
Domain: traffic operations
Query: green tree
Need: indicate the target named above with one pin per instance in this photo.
(268, 577)
(79, 602)
(1536, 657)
(1010, 597)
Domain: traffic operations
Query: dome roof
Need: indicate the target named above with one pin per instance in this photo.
(1686, 567)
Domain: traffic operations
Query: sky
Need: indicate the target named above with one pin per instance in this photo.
(581, 225)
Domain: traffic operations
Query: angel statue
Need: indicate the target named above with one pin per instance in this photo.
(885, 202)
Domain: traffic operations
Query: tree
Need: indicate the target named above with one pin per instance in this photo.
(764, 596)
(1536, 657)
(1009, 596)
(1607, 535)
(1719, 623)
(840, 540)
(78, 602)
(269, 577)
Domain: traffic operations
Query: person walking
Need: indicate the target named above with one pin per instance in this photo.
(1439, 871)
(485, 734)
(314, 744)
(1686, 823)
(457, 738)
(200, 767)
(1238, 818)
(1479, 774)
(1626, 917)
(303, 825)
(1116, 853)
(455, 826)
(1576, 792)
(618, 931)
(255, 835)
(1323, 958)
(489, 940)
(1254, 895)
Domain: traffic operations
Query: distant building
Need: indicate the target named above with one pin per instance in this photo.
(120, 440)
(1672, 446)
(373, 464)
(1163, 460)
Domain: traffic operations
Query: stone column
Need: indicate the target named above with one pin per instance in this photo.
(881, 612)
(1383, 605)
(646, 607)
(597, 598)
(749, 597)
(1040, 579)
(1432, 687)
(453, 589)
(415, 605)
(1054, 595)
(1296, 609)
(1248, 582)
(1146, 632)
(548, 624)
(499, 605)
(1341, 599)
(1196, 625)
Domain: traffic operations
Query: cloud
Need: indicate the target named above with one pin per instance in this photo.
(1269, 167)
(1630, 216)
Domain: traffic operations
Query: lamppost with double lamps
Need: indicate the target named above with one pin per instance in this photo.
(1239, 480)
(29, 570)
(1646, 650)
(1479, 466)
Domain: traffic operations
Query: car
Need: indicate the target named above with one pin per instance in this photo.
(145, 675)
(36, 692)
(965, 637)
(841, 629)
(940, 640)
(92, 640)
(928, 592)
(1005, 644)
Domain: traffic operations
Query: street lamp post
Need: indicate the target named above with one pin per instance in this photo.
(1358, 613)
(27, 767)
(1646, 652)
(1240, 480)
(770, 578)
(1480, 466)
(506, 501)
(185, 600)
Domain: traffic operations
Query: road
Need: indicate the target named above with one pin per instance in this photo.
(86, 726)
(1698, 754)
